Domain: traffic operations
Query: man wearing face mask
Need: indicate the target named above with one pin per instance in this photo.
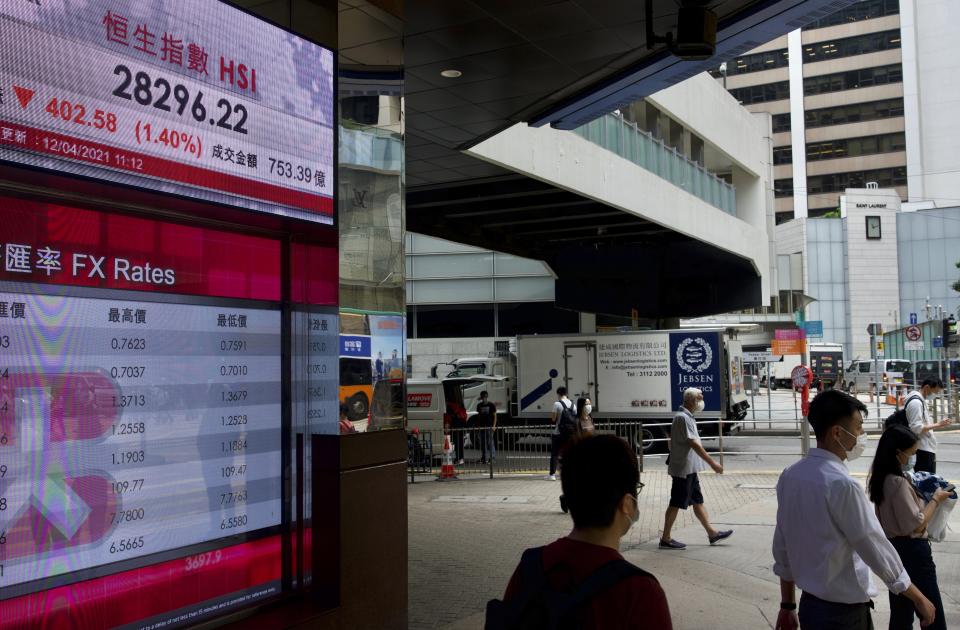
(582, 578)
(687, 458)
(828, 538)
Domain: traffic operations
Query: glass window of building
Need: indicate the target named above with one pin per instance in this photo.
(836, 182)
(853, 79)
(852, 147)
(782, 155)
(850, 46)
(781, 123)
(762, 93)
(755, 63)
(858, 112)
(858, 11)
(783, 187)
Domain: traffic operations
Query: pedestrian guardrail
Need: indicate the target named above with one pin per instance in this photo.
(526, 449)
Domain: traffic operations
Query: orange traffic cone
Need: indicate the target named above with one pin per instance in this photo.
(447, 471)
(892, 395)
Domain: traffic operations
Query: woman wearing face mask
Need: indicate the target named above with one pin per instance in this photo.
(904, 519)
(585, 420)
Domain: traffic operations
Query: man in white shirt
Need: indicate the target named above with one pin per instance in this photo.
(828, 538)
(916, 409)
(563, 410)
(687, 458)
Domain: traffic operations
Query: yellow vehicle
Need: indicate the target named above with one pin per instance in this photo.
(356, 387)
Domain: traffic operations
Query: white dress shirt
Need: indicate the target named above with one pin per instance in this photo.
(828, 537)
(917, 419)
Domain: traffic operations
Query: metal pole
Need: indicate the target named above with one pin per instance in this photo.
(769, 400)
(876, 372)
(754, 383)
(805, 437)
(720, 428)
(796, 412)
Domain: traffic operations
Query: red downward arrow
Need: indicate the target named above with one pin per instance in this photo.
(23, 95)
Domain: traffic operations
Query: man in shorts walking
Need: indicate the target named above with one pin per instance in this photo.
(687, 458)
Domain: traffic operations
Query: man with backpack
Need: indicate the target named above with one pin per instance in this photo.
(565, 425)
(582, 581)
(915, 416)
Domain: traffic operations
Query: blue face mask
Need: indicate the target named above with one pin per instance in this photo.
(911, 462)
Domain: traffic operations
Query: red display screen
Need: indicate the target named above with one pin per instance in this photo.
(142, 414)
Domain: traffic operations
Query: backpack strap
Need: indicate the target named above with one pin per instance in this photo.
(534, 577)
(600, 580)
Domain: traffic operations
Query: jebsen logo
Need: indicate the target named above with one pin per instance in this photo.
(694, 355)
(695, 362)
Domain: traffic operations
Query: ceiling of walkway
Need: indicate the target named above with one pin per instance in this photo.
(557, 62)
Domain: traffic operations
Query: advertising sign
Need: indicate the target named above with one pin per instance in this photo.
(788, 346)
(419, 400)
(387, 339)
(789, 334)
(189, 97)
(639, 368)
(813, 328)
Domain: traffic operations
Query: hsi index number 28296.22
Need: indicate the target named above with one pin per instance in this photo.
(148, 91)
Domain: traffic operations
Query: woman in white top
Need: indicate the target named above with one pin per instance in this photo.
(904, 515)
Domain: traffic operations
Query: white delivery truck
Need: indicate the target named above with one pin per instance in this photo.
(826, 362)
(637, 375)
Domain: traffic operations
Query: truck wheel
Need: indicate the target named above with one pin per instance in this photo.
(645, 444)
(852, 388)
(773, 384)
(358, 407)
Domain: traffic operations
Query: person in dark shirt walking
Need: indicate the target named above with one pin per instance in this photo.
(486, 426)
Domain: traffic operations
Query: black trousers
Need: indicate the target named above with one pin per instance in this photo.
(926, 462)
(458, 444)
(918, 561)
(557, 443)
(818, 614)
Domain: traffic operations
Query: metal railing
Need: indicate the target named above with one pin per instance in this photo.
(515, 449)
(512, 450)
(628, 141)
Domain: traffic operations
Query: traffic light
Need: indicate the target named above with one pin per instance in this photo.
(950, 336)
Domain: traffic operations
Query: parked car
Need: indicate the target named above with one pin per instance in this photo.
(861, 376)
(922, 370)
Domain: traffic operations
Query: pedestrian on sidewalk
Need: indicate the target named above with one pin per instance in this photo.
(582, 579)
(904, 519)
(923, 426)
(828, 538)
(564, 421)
(456, 418)
(687, 458)
(585, 426)
(486, 426)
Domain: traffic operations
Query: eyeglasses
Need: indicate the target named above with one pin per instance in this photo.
(640, 486)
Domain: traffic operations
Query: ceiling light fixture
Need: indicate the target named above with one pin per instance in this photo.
(451, 74)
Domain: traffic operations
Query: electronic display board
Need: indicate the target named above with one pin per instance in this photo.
(190, 97)
(142, 415)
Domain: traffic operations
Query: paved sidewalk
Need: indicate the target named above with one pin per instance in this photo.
(466, 538)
